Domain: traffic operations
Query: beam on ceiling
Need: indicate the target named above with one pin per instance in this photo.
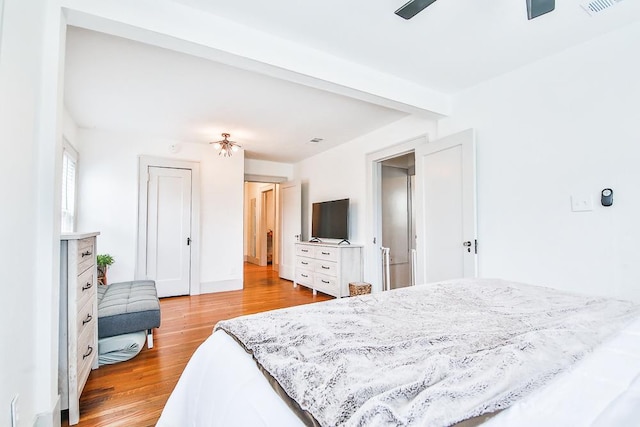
(184, 29)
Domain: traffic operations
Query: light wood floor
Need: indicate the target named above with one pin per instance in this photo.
(133, 393)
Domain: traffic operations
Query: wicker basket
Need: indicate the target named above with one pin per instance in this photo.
(359, 288)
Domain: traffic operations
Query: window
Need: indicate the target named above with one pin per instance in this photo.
(69, 173)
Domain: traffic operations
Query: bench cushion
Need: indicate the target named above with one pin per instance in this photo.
(126, 307)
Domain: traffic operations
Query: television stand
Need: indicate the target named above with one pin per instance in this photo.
(343, 241)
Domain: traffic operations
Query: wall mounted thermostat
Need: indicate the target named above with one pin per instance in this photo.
(607, 197)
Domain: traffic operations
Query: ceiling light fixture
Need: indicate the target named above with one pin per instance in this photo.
(226, 147)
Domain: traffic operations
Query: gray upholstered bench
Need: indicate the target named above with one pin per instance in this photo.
(127, 307)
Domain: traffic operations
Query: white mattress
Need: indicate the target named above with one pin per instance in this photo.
(222, 386)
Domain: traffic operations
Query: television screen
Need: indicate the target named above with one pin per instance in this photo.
(330, 220)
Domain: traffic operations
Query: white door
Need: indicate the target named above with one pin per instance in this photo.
(446, 208)
(291, 226)
(169, 230)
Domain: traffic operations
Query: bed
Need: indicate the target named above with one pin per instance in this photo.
(464, 352)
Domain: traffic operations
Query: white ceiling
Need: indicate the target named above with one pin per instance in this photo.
(125, 86)
(449, 46)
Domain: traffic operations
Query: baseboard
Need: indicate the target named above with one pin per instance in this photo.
(49, 419)
(221, 286)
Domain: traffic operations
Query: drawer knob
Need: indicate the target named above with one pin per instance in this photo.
(87, 286)
(88, 319)
(325, 267)
(305, 263)
(303, 275)
(325, 282)
(88, 353)
(326, 253)
(87, 253)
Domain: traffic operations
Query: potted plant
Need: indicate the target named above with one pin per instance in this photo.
(103, 262)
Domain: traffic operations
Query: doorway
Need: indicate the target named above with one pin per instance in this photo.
(442, 197)
(398, 218)
(261, 230)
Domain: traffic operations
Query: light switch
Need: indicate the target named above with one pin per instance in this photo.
(581, 203)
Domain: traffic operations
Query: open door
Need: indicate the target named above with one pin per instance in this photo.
(290, 226)
(446, 208)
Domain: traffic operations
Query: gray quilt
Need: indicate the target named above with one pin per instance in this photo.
(430, 355)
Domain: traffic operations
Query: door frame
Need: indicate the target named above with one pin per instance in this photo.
(144, 162)
(373, 257)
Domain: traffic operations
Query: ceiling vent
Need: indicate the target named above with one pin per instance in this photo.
(596, 6)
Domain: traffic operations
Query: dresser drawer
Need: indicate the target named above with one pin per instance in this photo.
(305, 263)
(326, 284)
(305, 251)
(86, 254)
(86, 317)
(327, 267)
(304, 277)
(87, 352)
(86, 349)
(327, 254)
(86, 287)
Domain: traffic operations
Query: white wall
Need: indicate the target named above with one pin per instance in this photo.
(30, 130)
(70, 129)
(341, 172)
(566, 125)
(268, 169)
(108, 198)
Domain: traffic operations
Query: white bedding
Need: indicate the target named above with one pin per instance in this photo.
(222, 386)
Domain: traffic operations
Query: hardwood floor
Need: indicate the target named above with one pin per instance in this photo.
(133, 393)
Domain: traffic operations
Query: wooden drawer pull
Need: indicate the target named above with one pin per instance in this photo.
(88, 286)
(88, 353)
(87, 253)
(88, 319)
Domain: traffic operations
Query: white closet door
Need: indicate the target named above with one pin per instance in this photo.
(169, 230)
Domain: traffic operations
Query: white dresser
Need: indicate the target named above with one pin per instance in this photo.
(78, 347)
(328, 268)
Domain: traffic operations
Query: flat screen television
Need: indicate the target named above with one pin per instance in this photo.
(330, 220)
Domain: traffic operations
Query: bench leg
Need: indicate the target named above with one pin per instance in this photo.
(149, 338)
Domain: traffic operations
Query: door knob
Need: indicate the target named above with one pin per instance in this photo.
(467, 243)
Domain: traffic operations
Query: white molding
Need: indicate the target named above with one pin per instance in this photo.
(49, 418)
(144, 162)
(264, 178)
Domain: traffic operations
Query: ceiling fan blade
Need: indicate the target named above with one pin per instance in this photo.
(412, 8)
